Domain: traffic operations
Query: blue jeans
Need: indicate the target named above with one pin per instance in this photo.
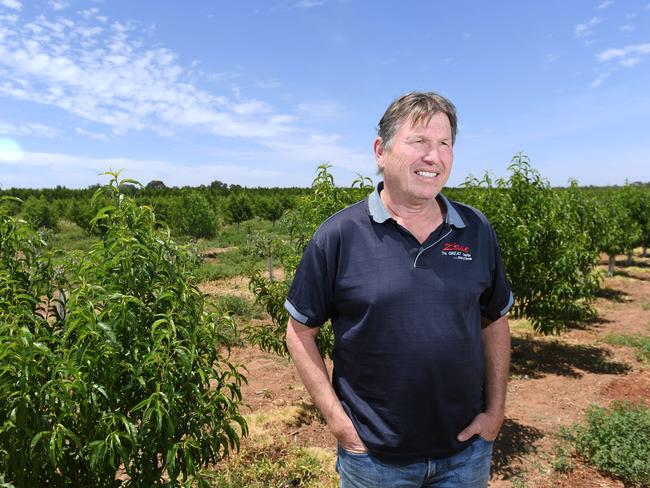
(470, 468)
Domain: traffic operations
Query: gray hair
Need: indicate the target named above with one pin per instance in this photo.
(418, 107)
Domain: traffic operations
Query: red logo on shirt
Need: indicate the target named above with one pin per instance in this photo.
(452, 246)
(456, 251)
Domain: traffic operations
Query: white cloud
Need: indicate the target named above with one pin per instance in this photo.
(251, 107)
(93, 135)
(586, 29)
(102, 73)
(626, 28)
(28, 129)
(599, 80)
(318, 149)
(13, 4)
(627, 56)
(105, 72)
(629, 62)
(321, 109)
(604, 4)
(309, 3)
(77, 171)
(324, 138)
(59, 4)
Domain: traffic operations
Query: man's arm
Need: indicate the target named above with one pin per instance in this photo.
(301, 341)
(496, 344)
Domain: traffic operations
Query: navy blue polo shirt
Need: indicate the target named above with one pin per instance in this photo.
(408, 354)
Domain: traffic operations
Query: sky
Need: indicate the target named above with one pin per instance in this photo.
(259, 93)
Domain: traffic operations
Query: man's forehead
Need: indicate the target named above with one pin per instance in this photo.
(421, 121)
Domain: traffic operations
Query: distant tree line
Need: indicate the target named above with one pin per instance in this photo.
(195, 212)
(614, 219)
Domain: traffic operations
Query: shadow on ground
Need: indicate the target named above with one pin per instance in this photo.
(613, 294)
(592, 323)
(536, 358)
(639, 263)
(514, 442)
(635, 276)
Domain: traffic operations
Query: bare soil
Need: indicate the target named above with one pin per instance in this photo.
(553, 381)
(237, 285)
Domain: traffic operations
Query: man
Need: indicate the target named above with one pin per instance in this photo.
(417, 295)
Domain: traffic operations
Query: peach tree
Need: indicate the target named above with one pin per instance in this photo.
(113, 372)
(301, 222)
(546, 244)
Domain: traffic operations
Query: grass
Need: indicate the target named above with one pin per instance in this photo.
(71, 237)
(230, 235)
(239, 307)
(277, 466)
(521, 325)
(235, 258)
(639, 342)
(227, 264)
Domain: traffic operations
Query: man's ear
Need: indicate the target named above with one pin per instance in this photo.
(379, 151)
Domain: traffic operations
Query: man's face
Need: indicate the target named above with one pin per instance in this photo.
(418, 162)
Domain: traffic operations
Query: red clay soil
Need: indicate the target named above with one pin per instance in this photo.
(553, 381)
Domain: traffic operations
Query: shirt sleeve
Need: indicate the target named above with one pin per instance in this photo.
(497, 299)
(310, 296)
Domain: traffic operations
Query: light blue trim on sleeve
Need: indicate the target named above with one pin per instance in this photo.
(303, 319)
(511, 302)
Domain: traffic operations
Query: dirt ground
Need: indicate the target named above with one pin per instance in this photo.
(553, 380)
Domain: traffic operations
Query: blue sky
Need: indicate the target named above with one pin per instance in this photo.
(258, 93)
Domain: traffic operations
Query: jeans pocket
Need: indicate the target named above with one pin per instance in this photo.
(350, 453)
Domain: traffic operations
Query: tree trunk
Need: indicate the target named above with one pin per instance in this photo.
(645, 252)
(271, 268)
(610, 265)
(629, 259)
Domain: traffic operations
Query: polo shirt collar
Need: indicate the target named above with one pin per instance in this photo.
(380, 214)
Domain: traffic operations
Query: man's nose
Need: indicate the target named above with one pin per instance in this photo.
(432, 154)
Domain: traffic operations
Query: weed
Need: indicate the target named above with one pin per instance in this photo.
(239, 307)
(562, 462)
(269, 458)
(280, 467)
(518, 482)
(617, 441)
